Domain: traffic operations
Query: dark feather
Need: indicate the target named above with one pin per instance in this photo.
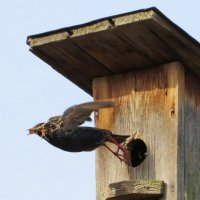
(78, 114)
(81, 139)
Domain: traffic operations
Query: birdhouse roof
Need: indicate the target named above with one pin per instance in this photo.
(115, 44)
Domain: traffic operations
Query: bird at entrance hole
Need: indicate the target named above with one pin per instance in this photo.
(64, 131)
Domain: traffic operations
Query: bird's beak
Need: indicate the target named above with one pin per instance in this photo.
(31, 131)
(35, 129)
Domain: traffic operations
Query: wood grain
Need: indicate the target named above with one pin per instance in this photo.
(192, 136)
(63, 58)
(115, 44)
(111, 50)
(146, 101)
(135, 190)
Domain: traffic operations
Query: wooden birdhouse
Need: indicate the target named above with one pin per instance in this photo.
(150, 68)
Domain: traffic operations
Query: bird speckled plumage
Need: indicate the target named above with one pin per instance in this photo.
(65, 132)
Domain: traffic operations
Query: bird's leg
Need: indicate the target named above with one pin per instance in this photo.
(119, 156)
(122, 148)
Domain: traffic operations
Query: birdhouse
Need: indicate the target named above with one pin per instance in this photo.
(150, 68)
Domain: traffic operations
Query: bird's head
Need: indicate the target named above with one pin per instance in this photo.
(37, 129)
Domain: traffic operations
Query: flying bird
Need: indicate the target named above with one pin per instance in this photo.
(64, 131)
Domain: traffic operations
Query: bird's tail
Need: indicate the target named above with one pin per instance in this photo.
(120, 138)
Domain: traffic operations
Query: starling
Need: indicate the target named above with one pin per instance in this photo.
(65, 132)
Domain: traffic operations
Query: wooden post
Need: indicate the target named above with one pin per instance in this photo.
(151, 102)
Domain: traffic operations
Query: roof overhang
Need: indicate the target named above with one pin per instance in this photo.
(115, 44)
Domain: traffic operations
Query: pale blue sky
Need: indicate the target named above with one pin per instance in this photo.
(31, 91)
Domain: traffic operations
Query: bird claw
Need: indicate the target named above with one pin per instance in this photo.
(126, 157)
(123, 158)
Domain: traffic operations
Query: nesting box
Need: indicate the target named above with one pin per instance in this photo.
(150, 68)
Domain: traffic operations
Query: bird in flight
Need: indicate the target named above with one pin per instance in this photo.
(64, 131)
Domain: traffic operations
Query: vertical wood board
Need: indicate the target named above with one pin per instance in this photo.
(192, 136)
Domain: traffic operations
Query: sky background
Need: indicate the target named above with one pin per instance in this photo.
(30, 168)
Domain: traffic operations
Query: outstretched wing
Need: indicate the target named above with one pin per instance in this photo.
(78, 114)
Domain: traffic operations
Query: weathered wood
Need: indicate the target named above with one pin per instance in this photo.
(64, 59)
(48, 38)
(69, 74)
(116, 44)
(179, 45)
(150, 47)
(142, 189)
(111, 50)
(192, 136)
(146, 101)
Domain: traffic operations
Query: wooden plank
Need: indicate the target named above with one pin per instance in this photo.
(150, 46)
(118, 120)
(33, 42)
(81, 81)
(180, 112)
(80, 69)
(142, 189)
(112, 51)
(147, 102)
(88, 28)
(70, 56)
(185, 50)
(192, 136)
